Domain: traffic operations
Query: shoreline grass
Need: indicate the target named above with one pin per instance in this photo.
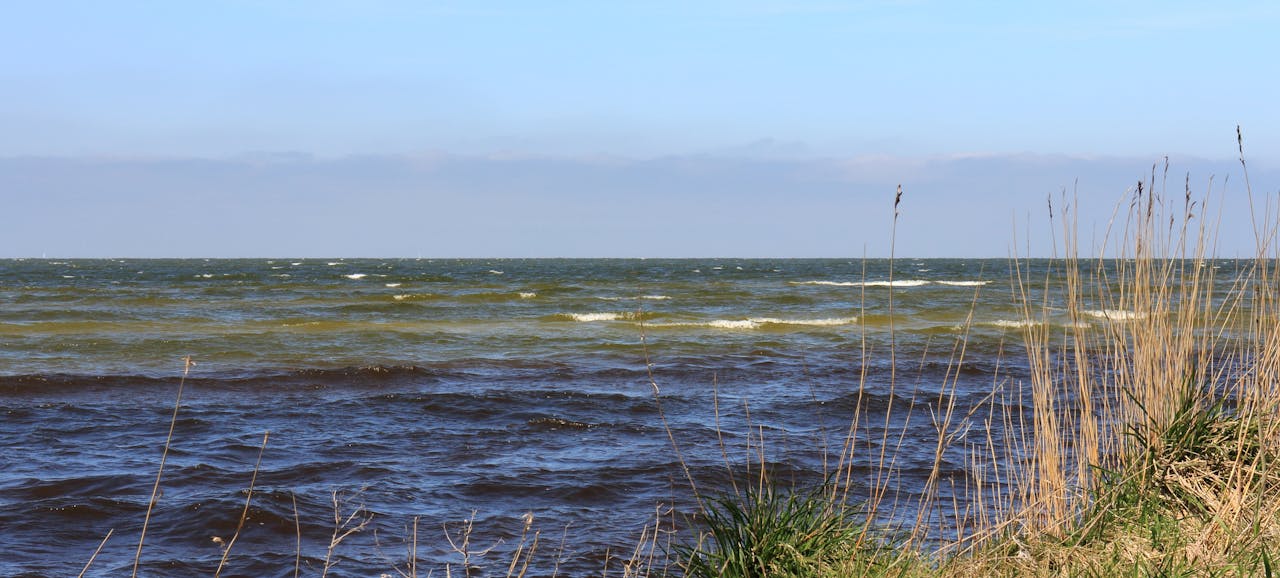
(1151, 448)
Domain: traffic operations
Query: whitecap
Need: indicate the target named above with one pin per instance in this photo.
(825, 322)
(528, 294)
(734, 324)
(588, 317)
(757, 322)
(393, 285)
(355, 276)
(1114, 314)
(495, 272)
(963, 283)
(333, 263)
(645, 297)
(1013, 324)
(901, 283)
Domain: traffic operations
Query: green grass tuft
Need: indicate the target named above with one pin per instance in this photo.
(769, 531)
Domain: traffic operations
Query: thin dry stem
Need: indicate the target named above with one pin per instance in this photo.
(226, 551)
(164, 455)
(95, 553)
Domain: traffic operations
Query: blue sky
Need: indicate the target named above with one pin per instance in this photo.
(752, 128)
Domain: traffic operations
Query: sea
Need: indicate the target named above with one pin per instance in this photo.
(464, 410)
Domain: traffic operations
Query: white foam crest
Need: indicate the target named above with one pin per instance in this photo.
(411, 296)
(963, 283)
(393, 285)
(528, 294)
(826, 322)
(356, 276)
(335, 263)
(589, 317)
(757, 322)
(901, 283)
(495, 272)
(1013, 324)
(1114, 314)
(734, 324)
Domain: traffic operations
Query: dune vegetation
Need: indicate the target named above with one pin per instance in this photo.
(1150, 447)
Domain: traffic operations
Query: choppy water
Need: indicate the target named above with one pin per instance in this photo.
(439, 388)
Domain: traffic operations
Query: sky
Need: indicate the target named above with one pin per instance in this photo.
(756, 128)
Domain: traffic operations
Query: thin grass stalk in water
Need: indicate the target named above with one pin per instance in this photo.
(95, 553)
(226, 551)
(164, 455)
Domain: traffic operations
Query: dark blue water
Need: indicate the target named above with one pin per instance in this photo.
(453, 389)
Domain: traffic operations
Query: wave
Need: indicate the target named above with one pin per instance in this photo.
(1012, 323)
(589, 317)
(897, 283)
(466, 297)
(413, 296)
(1023, 323)
(356, 276)
(757, 322)
(641, 297)
(1114, 314)
(902, 283)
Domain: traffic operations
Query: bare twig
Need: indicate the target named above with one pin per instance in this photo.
(343, 528)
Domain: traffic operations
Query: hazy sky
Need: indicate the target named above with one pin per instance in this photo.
(750, 128)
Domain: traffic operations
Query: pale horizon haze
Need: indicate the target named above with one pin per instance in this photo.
(631, 129)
